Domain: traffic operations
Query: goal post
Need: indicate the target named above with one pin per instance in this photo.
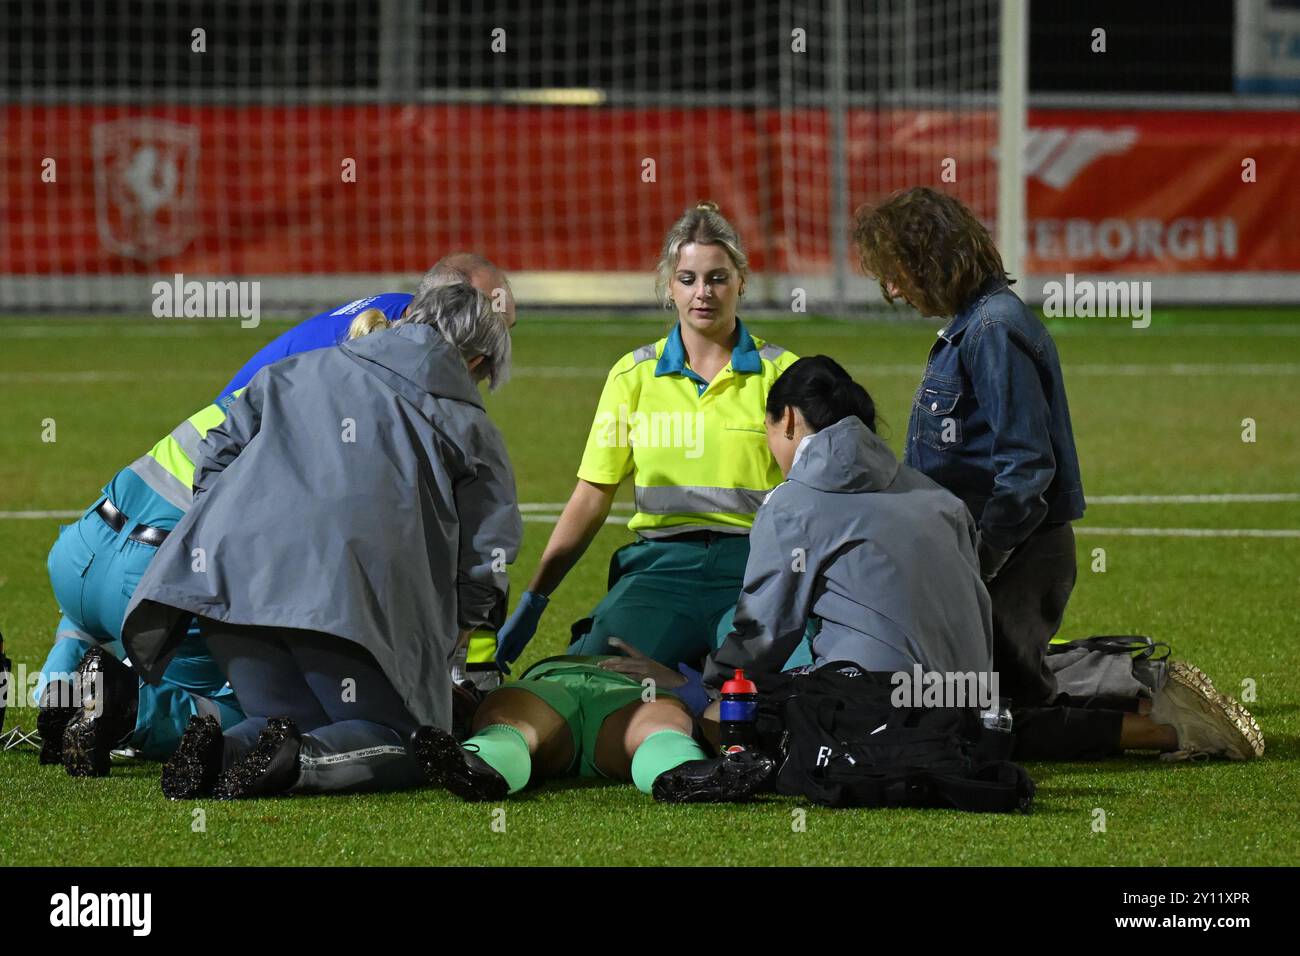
(1013, 72)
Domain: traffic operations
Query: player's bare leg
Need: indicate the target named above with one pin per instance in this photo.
(625, 730)
(1140, 732)
(517, 738)
(550, 744)
(652, 745)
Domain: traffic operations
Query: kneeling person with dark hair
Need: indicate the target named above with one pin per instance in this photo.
(885, 557)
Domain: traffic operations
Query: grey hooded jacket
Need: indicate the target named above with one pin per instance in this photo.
(883, 555)
(360, 491)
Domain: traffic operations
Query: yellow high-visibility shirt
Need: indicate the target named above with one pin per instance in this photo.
(697, 450)
(168, 468)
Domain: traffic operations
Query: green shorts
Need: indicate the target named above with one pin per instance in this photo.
(584, 694)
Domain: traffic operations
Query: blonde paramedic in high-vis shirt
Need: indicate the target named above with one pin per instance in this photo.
(683, 417)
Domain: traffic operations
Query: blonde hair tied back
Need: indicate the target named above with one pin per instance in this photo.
(702, 223)
(366, 322)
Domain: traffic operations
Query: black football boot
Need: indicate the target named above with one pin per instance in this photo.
(447, 764)
(110, 698)
(734, 778)
(192, 769)
(269, 769)
(56, 711)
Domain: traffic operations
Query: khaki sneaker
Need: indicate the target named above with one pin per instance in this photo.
(1208, 723)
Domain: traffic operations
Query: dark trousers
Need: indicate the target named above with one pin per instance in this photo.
(1029, 596)
(354, 723)
(1061, 732)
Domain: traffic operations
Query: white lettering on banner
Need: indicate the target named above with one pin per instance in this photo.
(1055, 156)
(1120, 240)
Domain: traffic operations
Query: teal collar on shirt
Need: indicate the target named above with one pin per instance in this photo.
(744, 357)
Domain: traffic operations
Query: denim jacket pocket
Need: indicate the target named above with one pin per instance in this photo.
(938, 424)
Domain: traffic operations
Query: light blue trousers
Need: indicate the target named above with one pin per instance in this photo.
(94, 571)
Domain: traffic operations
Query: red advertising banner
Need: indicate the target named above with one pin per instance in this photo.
(1163, 192)
(328, 189)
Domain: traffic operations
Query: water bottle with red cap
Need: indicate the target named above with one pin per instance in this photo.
(738, 714)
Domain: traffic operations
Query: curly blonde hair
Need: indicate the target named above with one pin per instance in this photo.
(928, 246)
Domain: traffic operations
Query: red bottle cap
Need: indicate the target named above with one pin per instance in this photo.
(739, 684)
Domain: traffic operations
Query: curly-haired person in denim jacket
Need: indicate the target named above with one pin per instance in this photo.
(990, 422)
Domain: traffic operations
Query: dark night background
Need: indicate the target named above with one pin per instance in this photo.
(628, 46)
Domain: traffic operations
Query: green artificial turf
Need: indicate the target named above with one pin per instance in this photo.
(1156, 412)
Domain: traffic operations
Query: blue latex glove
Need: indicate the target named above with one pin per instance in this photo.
(519, 628)
(693, 693)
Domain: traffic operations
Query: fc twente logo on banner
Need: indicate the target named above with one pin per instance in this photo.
(146, 186)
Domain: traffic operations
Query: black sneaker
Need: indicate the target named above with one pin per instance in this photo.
(447, 764)
(734, 778)
(110, 697)
(269, 769)
(56, 711)
(191, 771)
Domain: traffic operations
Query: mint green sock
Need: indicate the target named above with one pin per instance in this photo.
(661, 751)
(506, 751)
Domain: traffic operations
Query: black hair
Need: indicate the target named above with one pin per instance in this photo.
(822, 391)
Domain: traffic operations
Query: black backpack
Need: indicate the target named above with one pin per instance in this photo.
(840, 742)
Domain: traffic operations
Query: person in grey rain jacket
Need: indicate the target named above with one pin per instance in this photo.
(885, 557)
(352, 522)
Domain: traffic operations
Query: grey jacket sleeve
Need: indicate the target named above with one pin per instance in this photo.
(490, 533)
(223, 443)
(777, 596)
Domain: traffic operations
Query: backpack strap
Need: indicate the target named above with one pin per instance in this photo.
(1139, 645)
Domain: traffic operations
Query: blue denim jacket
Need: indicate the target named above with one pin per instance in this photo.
(991, 424)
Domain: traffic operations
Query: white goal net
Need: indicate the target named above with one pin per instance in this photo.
(332, 148)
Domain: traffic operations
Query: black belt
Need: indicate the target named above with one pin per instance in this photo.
(146, 534)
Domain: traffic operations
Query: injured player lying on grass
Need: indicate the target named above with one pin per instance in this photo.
(571, 716)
